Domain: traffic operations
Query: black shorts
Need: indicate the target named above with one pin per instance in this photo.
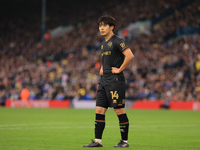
(111, 95)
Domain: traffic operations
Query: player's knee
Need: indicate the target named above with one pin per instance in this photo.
(119, 111)
(100, 110)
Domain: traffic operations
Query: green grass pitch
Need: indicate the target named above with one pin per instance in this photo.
(70, 129)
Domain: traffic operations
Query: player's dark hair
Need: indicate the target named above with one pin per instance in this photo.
(107, 20)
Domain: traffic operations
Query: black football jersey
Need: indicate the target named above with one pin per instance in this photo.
(112, 56)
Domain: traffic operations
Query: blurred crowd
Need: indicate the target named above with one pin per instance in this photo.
(67, 67)
(184, 18)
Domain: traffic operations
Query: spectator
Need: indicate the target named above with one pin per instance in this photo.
(25, 94)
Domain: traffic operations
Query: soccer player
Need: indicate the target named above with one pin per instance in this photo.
(116, 56)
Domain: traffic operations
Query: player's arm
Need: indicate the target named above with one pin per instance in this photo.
(128, 58)
(101, 70)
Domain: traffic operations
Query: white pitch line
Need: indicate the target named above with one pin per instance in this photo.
(57, 123)
(77, 127)
(28, 124)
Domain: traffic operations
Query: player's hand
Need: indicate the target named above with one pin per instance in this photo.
(115, 70)
(101, 72)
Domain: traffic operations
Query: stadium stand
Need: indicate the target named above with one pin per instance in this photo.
(166, 64)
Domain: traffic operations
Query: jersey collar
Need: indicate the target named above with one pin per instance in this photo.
(110, 37)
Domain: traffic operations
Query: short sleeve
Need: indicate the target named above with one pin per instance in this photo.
(121, 46)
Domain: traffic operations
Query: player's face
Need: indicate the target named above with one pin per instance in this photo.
(105, 29)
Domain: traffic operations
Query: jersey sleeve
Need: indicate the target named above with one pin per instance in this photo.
(121, 45)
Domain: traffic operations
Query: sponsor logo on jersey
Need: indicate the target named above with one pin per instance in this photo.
(106, 53)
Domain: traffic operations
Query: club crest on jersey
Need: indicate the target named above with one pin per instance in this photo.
(122, 45)
(101, 46)
(109, 44)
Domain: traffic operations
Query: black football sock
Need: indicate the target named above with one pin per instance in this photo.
(124, 126)
(99, 126)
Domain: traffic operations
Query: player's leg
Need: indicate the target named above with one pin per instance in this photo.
(99, 123)
(124, 127)
(101, 108)
(99, 127)
(117, 97)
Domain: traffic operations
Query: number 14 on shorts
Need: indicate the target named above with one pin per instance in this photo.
(114, 94)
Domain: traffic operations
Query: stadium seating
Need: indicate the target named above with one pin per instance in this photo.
(166, 65)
